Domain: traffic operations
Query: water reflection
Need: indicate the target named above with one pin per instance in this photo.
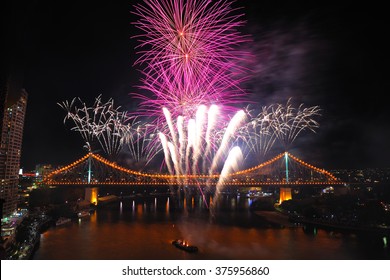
(182, 204)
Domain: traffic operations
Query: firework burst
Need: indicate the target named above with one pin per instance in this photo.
(141, 140)
(189, 52)
(102, 122)
(279, 122)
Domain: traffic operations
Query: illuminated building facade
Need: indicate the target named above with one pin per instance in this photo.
(42, 170)
(13, 110)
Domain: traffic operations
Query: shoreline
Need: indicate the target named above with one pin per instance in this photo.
(287, 221)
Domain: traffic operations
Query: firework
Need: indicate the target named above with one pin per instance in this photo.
(258, 137)
(191, 64)
(141, 140)
(287, 121)
(279, 122)
(101, 122)
(190, 56)
(194, 146)
(231, 165)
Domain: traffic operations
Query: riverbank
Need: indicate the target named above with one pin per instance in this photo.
(290, 221)
(362, 229)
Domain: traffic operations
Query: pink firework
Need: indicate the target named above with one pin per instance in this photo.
(189, 53)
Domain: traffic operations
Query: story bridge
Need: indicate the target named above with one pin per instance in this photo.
(284, 171)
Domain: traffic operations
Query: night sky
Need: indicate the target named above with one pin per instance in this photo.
(335, 57)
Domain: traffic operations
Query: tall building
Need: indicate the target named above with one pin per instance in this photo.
(13, 109)
(16, 33)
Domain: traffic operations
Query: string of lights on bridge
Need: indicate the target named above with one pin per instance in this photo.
(189, 179)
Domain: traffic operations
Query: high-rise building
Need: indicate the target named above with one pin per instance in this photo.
(13, 109)
(17, 47)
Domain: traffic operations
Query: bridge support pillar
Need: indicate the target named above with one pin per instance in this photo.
(91, 195)
(285, 194)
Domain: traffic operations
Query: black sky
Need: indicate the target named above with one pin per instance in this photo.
(335, 57)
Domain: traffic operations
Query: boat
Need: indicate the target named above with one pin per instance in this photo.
(184, 245)
(62, 220)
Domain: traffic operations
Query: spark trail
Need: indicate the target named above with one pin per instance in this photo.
(195, 152)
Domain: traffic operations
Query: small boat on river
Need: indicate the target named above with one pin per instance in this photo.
(184, 245)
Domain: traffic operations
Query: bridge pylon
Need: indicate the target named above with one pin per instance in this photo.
(91, 195)
(284, 194)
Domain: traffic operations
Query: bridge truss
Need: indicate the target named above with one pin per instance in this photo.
(283, 170)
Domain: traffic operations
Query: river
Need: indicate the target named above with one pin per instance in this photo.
(142, 228)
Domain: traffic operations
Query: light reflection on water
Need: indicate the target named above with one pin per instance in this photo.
(143, 228)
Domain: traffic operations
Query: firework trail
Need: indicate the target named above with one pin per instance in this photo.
(195, 151)
(231, 165)
(232, 127)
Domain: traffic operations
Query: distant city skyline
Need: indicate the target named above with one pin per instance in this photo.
(333, 57)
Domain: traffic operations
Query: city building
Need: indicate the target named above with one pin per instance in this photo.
(42, 170)
(13, 109)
